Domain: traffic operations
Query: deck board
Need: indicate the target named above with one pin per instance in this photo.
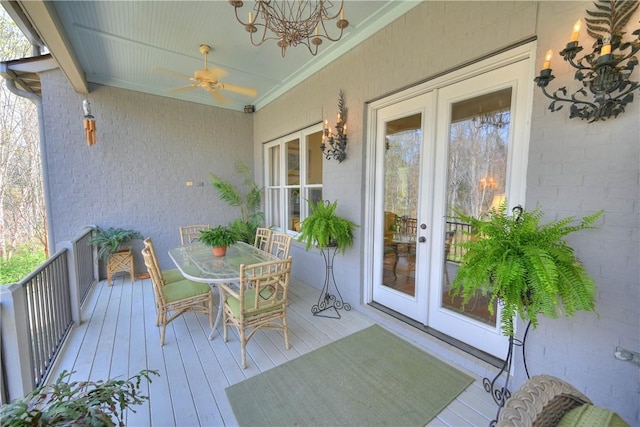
(118, 337)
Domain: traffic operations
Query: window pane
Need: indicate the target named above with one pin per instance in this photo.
(293, 162)
(314, 158)
(273, 207)
(274, 166)
(293, 209)
(314, 194)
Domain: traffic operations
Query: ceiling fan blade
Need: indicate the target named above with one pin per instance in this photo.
(183, 88)
(220, 99)
(213, 75)
(239, 89)
(171, 73)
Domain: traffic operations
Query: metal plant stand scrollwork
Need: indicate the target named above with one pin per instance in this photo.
(501, 394)
(327, 299)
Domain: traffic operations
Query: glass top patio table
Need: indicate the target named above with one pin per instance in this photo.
(196, 261)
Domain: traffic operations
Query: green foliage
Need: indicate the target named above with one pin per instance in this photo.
(218, 236)
(248, 202)
(527, 266)
(110, 240)
(26, 259)
(324, 228)
(83, 403)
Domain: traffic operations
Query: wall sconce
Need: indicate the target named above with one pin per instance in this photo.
(89, 123)
(604, 73)
(334, 145)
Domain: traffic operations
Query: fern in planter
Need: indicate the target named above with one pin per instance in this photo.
(527, 266)
(111, 240)
(324, 228)
(248, 202)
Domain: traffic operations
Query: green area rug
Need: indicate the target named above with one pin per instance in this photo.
(371, 377)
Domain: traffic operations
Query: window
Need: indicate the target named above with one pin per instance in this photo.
(293, 174)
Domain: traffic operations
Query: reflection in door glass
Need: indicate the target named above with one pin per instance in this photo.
(476, 181)
(401, 187)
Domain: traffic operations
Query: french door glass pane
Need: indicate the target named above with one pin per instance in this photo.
(401, 190)
(476, 181)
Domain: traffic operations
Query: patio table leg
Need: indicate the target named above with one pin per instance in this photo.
(214, 288)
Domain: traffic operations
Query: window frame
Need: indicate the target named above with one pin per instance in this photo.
(282, 187)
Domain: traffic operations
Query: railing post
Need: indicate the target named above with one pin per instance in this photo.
(74, 285)
(15, 341)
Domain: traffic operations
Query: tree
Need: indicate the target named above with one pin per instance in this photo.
(22, 218)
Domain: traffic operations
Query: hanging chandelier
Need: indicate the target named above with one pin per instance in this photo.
(292, 22)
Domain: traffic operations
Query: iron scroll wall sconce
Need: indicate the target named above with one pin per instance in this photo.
(604, 73)
(334, 145)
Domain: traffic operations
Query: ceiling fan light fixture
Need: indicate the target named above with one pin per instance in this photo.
(292, 22)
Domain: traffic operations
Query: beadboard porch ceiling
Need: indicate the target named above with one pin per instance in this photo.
(123, 43)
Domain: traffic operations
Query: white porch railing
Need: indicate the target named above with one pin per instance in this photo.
(37, 313)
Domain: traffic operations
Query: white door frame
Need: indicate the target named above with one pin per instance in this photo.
(374, 174)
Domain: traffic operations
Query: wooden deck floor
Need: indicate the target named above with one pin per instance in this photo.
(118, 338)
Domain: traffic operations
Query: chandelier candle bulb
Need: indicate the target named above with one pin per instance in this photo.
(606, 50)
(576, 31)
(547, 60)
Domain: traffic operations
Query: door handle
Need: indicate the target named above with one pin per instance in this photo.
(422, 239)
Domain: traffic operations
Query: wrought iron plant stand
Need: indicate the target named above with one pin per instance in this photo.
(327, 299)
(501, 394)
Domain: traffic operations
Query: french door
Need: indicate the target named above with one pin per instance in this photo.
(456, 146)
(404, 189)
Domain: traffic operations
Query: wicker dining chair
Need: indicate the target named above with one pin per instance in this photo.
(280, 245)
(258, 302)
(170, 275)
(174, 299)
(263, 238)
(191, 233)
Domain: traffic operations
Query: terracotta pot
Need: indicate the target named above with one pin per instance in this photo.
(219, 250)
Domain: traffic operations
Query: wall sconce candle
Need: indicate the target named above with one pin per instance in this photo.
(604, 73)
(334, 145)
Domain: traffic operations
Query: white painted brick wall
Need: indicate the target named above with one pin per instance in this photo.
(135, 176)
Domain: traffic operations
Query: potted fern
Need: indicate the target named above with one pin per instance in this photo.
(330, 233)
(525, 265)
(112, 250)
(324, 229)
(247, 201)
(219, 238)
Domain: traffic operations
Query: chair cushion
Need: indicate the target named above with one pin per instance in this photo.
(182, 289)
(234, 304)
(172, 275)
(591, 416)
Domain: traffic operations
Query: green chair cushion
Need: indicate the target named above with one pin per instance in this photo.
(184, 288)
(172, 275)
(234, 304)
(591, 416)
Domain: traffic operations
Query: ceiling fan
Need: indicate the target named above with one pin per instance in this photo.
(209, 80)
